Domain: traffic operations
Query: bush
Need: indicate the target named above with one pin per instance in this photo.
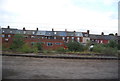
(98, 48)
(26, 49)
(17, 42)
(75, 46)
(35, 50)
(61, 50)
(109, 51)
(101, 48)
(112, 44)
(39, 46)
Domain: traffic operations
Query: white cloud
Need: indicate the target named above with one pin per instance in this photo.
(59, 14)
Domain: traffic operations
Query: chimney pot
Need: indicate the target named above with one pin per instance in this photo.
(52, 29)
(37, 29)
(88, 31)
(24, 28)
(116, 34)
(65, 29)
(8, 27)
(102, 33)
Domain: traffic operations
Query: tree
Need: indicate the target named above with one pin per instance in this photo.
(74, 46)
(18, 42)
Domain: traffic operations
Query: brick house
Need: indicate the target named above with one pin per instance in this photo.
(102, 39)
(50, 39)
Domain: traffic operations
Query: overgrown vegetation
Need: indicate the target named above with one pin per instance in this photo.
(109, 49)
(18, 42)
(72, 47)
(75, 46)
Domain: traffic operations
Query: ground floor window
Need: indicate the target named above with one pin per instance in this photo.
(49, 44)
(58, 43)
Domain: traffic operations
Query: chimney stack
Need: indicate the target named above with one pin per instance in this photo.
(37, 29)
(116, 34)
(102, 33)
(88, 32)
(52, 29)
(65, 29)
(24, 28)
(8, 27)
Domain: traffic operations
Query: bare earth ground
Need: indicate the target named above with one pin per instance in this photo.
(51, 68)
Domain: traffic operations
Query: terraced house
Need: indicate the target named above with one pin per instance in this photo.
(53, 39)
(50, 39)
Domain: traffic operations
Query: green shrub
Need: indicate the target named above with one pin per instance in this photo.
(61, 50)
(39, 46)
(35, 50)
(109, 51)
(26, 49)
(112, 44)
(101, 48)
(17, 42)
(75, 46)
(98, 48)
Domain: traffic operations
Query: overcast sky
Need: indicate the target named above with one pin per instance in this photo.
(79, 15)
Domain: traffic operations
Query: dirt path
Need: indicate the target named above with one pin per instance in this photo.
(48, 68)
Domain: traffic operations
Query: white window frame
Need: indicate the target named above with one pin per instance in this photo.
(9, 35)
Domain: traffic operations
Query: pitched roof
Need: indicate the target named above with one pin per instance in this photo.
(40, 33)
(49, 33)
(70, 33)
(104, 37)
(9, 30)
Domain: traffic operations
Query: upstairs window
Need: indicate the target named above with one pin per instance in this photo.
(54, 37)
(67, 38)
(6, 40)
(32, 36)
(63, 38)
(72, 38)
(10, 31)
(55, 33)
(42, 37)
(3, 35)
(86, 35)
(33, 32)
(9, 35)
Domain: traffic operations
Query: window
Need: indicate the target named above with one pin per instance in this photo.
(24, 32)
(58, 43)
(32, 36)
(3, 35)
(33, 32)
(54, 37)
(72, 38)
(42, 37)
(49, 44)
(67, 37)
(78, 39)
(55, 32)
(6, 40)
(86, 35)
(32, 43)
(10, 31)
(3, 31)
(9, 35)
(63, 38)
